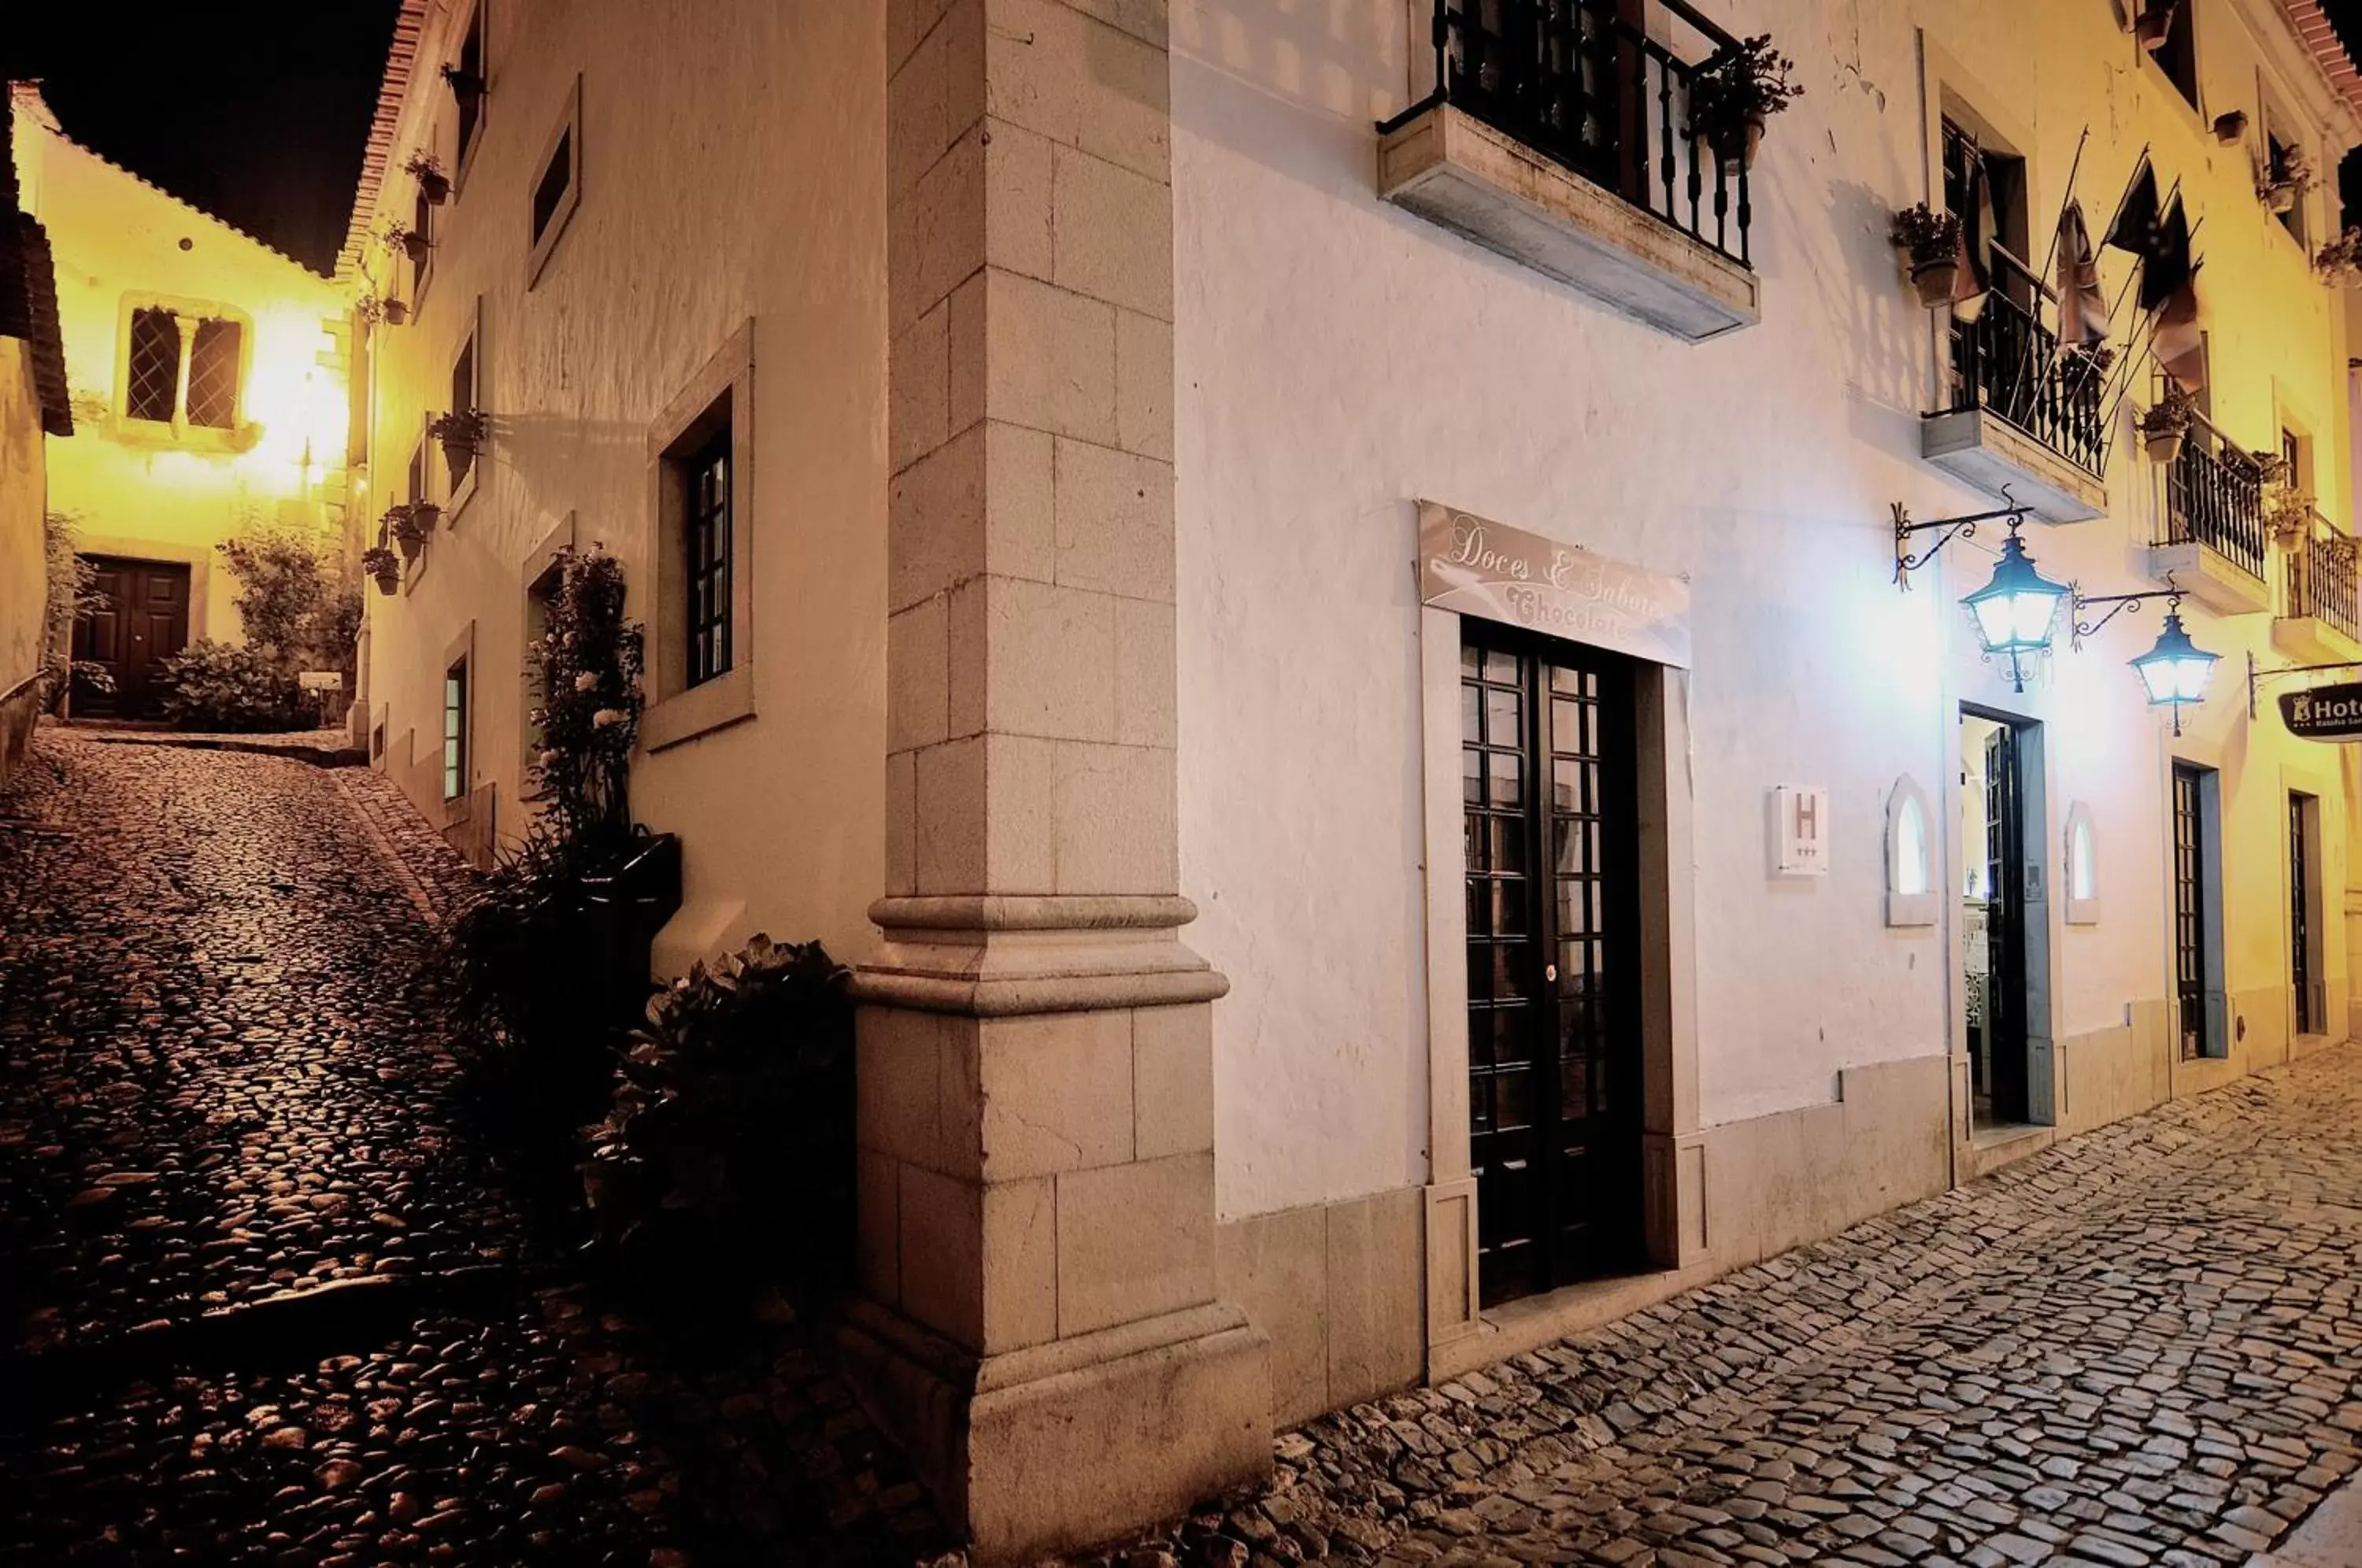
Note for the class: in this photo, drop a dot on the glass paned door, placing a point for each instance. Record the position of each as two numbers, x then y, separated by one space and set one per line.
2190 950
2301 918
1548 792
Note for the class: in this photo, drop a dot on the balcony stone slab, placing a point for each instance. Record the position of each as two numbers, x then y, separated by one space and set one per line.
1980 447
2309 639
2210 578
1479 182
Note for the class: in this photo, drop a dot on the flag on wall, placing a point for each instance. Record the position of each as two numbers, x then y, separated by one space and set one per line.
2082 302
2136 226
1972 280
2167 270
2180 346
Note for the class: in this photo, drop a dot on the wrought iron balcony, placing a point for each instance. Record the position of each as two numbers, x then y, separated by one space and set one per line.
2212 498
2007 366
2322 581
1651 220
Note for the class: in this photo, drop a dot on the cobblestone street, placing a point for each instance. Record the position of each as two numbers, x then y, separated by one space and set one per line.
223 1079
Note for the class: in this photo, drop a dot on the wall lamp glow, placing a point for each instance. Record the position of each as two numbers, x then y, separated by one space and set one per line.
2176 671
2017 612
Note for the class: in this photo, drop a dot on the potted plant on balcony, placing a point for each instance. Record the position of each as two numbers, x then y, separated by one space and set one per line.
371 309
2154 23
401 525
409 241
1741 85
1930 243
466 85
2279 190
2165 424
461 432
2231 129
427 170
2340 260
384 565
2288 513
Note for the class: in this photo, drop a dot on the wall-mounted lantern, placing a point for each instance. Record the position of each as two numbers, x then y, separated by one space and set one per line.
2017 611
2176 671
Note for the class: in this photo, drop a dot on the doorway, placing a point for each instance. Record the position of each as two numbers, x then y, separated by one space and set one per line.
1550 797
2199 1002
2310 1009
2005 926
143 621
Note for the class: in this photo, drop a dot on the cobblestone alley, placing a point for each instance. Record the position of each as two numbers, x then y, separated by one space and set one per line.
221 1078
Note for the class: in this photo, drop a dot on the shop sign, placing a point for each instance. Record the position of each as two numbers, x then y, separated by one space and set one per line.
2324 712
320 680
1474 567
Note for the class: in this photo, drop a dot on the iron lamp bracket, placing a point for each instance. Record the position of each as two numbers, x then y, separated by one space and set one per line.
2257 677
2118 603
1947 529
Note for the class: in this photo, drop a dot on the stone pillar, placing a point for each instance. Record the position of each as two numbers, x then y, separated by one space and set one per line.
1036 1114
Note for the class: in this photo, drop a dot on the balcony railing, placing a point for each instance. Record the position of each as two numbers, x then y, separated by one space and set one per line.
2216 500
2008 362
2322 579
1581 83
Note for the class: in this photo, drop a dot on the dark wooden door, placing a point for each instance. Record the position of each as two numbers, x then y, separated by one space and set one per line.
2005 927
2191 947
2308 1020
1550 797
143 620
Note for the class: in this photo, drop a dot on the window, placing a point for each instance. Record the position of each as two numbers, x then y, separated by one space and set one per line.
2178 55
557 189
2281 159
2310 1010
182 368
706 531
460 459
422 224
454 731
2082 867
1909 856
470 89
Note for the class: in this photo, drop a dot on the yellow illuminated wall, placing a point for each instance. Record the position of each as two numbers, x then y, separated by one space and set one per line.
150 490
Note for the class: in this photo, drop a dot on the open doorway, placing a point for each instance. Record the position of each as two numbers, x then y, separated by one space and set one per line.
2005 925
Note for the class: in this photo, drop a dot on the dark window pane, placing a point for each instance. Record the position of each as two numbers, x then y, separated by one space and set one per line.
1471 703
1506 772
155 366
213 374
1566 786
1509 907
553 180
1508 835
1509 971
1513 1105
1472 777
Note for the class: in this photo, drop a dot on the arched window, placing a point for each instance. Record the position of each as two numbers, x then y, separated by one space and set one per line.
2082 876
1910 856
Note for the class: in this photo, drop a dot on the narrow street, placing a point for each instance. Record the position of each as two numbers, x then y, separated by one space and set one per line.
222 1078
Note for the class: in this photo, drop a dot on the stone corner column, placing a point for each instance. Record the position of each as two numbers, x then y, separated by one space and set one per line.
1040 1325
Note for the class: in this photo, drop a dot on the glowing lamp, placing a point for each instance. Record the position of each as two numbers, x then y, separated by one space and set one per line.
2176 670
2017 611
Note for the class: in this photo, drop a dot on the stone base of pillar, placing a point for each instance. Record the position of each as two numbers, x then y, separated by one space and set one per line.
1061 1445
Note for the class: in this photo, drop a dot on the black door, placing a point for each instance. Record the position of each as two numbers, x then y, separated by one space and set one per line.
142 621
2307 1020
2192 948
1550 804
2005 927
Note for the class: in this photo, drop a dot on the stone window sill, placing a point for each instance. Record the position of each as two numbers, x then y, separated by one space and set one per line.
726 699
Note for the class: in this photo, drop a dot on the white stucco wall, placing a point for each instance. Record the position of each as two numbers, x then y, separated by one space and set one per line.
730 170
1337 358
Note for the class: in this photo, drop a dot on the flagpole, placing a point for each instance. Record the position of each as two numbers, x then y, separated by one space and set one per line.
2126 195
2073 170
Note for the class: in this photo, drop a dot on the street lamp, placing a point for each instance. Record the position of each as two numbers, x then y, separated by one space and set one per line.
2016 611
2176 671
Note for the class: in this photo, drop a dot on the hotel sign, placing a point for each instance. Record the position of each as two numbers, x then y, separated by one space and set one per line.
1478 568
2324 712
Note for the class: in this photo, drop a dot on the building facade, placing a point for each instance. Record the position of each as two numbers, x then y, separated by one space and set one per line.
207 375
1321 603
32 406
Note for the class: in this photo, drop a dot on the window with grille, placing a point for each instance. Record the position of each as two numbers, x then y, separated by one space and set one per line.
462 458
454 731
180 367
706 533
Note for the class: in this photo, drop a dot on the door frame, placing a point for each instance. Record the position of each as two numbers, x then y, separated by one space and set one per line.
2042 1065
200 558
1672 1152
141 559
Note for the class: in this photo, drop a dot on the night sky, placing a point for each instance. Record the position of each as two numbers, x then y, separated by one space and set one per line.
259 113
254 110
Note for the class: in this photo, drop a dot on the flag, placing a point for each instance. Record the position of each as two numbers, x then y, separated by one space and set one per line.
2136 226
1973 279
2180 346
2168 270
2082 302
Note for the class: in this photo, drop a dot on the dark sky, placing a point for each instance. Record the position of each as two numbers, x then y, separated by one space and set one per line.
255 110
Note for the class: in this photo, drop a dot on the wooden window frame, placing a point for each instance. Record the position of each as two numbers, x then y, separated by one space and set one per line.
459 490
680 710
456 724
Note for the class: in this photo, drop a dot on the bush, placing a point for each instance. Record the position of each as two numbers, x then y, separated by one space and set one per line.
73 597
725 1161
216 686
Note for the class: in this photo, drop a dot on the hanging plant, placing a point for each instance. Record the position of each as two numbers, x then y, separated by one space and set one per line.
2231 129
401 525
383 565
2287 511
2165 424
461 432
1930 243
427 170
2155 24
466 85
407 240
1739 86
2279 190
2340 260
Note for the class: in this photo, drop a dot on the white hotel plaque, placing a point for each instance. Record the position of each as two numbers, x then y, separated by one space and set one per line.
1474 567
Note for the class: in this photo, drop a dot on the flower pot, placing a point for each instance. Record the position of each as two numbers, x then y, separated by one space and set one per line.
434 186
386 581
1934 278
415 245
2279 198
2154 27
2231 127
411 541
2164 446
396 313
425 514
1735 145
458 451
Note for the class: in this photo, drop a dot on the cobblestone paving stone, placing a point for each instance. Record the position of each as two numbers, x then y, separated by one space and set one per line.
2137 1347
221 1078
